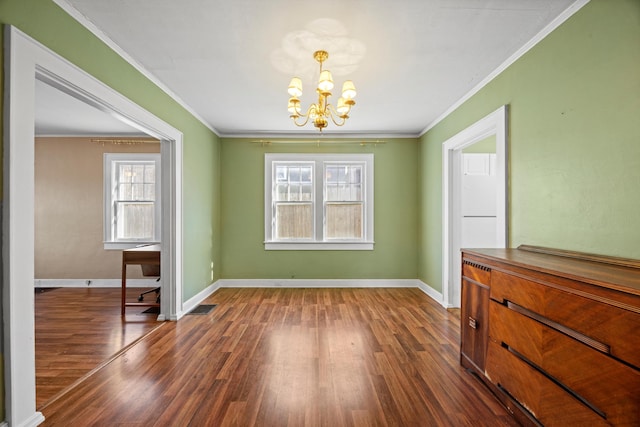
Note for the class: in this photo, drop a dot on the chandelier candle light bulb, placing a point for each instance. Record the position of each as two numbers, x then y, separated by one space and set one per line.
320 112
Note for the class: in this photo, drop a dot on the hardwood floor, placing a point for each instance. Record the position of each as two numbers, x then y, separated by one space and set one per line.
79 329
291 357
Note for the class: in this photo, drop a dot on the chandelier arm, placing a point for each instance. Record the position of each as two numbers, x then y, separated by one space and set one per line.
333 114
295 121
306 116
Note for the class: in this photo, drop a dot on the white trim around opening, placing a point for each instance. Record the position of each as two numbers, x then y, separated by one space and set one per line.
25 61
493 124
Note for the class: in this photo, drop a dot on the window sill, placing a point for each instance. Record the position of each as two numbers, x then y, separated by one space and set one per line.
318 246
118 246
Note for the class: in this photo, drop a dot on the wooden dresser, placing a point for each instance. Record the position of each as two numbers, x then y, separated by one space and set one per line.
555 334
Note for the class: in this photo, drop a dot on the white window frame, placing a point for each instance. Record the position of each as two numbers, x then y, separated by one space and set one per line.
110 161
319 242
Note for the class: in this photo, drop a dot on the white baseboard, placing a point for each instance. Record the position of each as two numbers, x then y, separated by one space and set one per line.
317 283
432 293
36 419
192 302
332 283
94 283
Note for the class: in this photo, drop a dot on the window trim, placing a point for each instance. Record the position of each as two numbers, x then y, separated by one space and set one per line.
319 242
108 168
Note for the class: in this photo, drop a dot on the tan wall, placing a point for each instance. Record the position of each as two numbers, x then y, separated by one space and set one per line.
69 209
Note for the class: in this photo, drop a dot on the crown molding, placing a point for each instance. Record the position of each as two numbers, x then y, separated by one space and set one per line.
317 136
86 22
559 20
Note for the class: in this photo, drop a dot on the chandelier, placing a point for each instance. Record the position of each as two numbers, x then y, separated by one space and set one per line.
320 112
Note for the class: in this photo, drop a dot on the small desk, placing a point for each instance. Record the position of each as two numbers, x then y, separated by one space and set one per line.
144 255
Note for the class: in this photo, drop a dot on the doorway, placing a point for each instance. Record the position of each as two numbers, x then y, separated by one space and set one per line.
78 325
489 227
27 60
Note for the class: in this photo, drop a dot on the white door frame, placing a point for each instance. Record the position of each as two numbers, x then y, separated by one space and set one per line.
25 61
493 124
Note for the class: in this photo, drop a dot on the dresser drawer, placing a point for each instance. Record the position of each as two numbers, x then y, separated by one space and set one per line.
546 401
607 384
614 327
475 271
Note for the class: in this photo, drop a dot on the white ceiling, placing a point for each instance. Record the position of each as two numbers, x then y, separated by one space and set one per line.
230 62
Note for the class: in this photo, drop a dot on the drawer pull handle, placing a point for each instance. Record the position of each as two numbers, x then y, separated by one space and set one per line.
473 323
558 327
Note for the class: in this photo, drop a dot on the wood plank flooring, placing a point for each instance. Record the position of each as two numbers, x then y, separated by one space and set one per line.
291 357
77 329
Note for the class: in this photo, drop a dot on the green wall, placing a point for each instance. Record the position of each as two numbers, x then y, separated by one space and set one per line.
47 23
395 217
574 143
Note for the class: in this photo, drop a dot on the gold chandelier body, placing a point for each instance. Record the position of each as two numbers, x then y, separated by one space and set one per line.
321 112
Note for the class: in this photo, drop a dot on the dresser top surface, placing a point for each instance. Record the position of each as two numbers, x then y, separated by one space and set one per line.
609 272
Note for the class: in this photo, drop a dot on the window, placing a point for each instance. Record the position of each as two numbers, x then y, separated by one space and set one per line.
132 199
319 201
